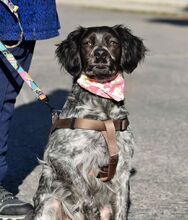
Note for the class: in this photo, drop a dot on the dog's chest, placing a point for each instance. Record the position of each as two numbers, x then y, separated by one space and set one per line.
83 104
80 148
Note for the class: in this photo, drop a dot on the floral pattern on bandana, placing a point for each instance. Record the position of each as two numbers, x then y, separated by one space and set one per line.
114 89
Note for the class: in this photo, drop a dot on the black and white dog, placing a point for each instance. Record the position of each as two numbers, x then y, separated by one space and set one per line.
67 190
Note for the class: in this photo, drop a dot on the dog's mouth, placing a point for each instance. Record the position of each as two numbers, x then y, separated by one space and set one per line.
98 67
101 73
101 67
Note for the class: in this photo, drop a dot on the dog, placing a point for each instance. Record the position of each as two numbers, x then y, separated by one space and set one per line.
69 186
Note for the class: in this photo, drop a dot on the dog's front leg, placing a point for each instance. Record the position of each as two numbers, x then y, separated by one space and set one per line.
122 200
106 213
89 206
47 205
51 210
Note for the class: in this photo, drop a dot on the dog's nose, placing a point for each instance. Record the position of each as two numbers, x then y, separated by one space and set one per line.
100 54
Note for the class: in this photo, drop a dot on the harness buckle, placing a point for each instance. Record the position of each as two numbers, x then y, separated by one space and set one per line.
72 123
124 125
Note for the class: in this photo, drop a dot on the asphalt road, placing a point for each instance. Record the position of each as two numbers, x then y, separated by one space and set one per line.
157 100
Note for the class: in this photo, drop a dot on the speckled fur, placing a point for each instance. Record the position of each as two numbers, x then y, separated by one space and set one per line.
71 155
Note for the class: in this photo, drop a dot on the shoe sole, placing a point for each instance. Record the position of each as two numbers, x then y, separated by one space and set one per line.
12 217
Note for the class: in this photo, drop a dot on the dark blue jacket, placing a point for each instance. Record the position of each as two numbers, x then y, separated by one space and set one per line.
38 18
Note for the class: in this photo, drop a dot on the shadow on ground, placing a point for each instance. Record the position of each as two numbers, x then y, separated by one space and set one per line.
172 21
28 136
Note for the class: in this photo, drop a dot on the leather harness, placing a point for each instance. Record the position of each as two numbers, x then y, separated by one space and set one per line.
108 129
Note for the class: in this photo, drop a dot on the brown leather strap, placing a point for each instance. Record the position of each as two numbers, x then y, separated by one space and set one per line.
88 124
110 137
108 129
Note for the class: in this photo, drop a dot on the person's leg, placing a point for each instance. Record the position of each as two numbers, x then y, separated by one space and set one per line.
10 85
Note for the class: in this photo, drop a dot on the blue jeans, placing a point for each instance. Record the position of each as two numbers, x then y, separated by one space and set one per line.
10 86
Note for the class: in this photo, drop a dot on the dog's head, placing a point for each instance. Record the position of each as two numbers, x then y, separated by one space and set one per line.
100 52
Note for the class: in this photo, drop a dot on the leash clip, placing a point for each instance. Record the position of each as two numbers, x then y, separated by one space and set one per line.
124 124
15 9
72 123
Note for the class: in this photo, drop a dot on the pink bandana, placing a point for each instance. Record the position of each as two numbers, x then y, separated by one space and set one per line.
114 89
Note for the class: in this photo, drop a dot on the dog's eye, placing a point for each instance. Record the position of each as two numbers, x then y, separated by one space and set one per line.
88 44
113 43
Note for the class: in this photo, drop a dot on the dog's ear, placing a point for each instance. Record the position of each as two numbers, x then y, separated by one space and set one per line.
68 52
133 49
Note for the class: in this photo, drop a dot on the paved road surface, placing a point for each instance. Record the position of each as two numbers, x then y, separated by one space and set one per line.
157 98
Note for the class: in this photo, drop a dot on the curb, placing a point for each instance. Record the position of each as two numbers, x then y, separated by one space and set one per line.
176 7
